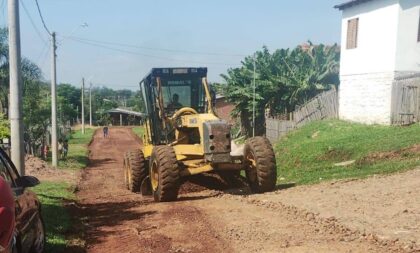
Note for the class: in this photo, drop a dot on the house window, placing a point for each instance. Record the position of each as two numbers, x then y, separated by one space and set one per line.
352 33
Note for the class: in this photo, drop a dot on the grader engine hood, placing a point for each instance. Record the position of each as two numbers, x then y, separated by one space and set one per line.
216 141
214 134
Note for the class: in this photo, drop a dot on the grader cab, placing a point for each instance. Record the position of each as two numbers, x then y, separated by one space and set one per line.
184 137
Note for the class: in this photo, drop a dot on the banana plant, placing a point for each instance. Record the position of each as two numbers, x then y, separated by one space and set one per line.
285 79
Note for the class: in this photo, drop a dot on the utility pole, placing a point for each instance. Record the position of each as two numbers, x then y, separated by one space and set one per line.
253 105
83 106
15 106
90 105
54 148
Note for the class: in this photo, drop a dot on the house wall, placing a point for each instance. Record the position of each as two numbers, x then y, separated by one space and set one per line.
366 98
408 47
367 72
377 38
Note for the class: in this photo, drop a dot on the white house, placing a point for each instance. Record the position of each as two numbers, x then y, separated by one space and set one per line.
380 61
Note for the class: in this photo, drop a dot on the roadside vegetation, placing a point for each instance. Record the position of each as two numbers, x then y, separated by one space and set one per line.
55 195
139 131
56 217
77 157
316 152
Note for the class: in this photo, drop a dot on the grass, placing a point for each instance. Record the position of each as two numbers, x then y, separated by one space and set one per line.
77 157
308 155
54 195
139 131
56 217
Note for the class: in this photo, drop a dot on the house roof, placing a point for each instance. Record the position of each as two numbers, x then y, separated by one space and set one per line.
125 111
350 4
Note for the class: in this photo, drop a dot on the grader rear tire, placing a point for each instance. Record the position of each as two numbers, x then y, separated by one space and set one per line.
136 170
260 164
164 174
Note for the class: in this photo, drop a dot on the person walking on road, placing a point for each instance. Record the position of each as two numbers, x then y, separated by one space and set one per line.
105 129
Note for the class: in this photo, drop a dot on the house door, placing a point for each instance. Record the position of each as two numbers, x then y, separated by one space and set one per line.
410 105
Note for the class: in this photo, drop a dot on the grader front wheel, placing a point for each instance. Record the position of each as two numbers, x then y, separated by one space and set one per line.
134 169
164 174
260 165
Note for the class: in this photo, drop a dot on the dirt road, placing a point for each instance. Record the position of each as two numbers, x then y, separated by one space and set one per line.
358 216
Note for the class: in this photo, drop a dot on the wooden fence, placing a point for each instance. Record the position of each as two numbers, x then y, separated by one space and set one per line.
406 101
323 106
276 128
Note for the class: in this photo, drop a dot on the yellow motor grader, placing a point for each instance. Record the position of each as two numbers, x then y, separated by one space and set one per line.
184 137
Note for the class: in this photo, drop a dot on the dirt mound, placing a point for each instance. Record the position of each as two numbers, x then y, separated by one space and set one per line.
390 155
210 181
39 168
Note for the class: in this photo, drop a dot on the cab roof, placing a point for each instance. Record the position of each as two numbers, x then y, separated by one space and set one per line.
161 72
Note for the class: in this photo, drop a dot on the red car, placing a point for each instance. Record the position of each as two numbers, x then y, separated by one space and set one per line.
7 215
28 234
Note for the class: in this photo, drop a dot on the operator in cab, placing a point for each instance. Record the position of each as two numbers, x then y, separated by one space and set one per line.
174 104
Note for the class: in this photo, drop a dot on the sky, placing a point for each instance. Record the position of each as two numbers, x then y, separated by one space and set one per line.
115 43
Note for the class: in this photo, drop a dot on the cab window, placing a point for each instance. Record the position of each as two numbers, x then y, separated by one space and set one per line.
182 92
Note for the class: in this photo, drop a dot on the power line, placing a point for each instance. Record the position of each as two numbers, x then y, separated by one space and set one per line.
43 56
42 18
156 49
32 22
146 55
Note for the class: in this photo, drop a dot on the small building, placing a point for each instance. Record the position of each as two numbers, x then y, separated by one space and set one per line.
125 117
380 61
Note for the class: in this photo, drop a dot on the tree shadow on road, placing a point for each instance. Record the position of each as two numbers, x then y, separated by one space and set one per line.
96 220
101 162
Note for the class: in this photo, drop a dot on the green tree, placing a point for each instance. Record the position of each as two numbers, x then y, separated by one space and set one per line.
135 102
284 79
68 102
4 127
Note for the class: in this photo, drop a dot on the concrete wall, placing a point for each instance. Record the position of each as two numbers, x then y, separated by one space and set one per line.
366 98
408 48
377 38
